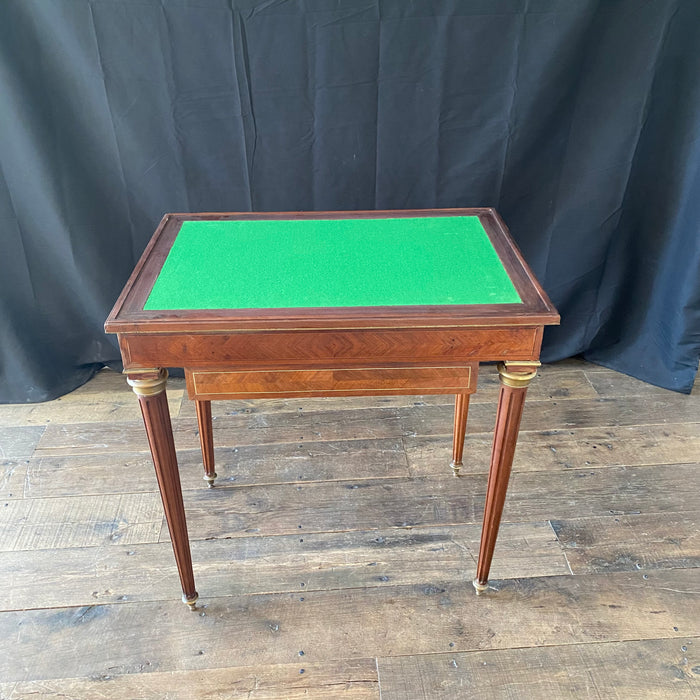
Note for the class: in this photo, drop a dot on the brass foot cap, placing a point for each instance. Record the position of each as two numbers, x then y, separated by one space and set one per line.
190 600
210 479
479 587
455 466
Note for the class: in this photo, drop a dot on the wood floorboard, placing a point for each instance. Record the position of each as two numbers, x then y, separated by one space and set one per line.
654 669
253 429
354 679
280 564
546 450
560 414
425 501
595 588
79 521
629 542
346 624
244 465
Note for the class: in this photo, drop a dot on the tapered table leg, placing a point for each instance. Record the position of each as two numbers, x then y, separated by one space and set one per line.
515 378
149 386
206 440
460 429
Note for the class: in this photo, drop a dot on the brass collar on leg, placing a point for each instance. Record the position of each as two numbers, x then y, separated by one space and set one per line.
479 587
190 601
517 379
148 386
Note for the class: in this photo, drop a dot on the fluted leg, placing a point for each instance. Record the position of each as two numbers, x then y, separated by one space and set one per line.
206 440
149 386
515 378
460 429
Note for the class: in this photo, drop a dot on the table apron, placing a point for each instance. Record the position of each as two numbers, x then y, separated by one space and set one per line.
312 349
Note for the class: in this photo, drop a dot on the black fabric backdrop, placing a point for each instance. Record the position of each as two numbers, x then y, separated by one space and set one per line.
579 120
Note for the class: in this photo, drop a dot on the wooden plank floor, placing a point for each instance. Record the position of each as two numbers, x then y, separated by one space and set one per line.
335 557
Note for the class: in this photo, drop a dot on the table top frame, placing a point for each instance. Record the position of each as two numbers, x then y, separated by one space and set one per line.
129 316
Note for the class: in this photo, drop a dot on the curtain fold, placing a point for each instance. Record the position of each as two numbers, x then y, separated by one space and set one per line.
579 121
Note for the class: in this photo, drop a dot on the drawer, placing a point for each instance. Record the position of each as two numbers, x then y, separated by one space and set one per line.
361 381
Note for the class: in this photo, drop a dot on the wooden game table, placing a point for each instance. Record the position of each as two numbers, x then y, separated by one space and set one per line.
268 305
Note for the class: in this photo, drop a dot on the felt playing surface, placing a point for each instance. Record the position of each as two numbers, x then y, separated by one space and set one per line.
331 263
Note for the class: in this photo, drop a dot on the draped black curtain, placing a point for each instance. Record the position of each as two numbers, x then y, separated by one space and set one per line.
579 120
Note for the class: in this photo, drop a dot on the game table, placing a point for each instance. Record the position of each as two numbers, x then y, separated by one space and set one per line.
269 305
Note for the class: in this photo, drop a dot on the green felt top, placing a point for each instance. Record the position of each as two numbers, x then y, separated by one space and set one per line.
300 263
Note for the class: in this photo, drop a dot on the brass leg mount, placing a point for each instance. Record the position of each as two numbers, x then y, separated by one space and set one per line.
517 375
149 382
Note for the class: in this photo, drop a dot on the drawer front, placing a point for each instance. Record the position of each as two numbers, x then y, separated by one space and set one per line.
364 381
